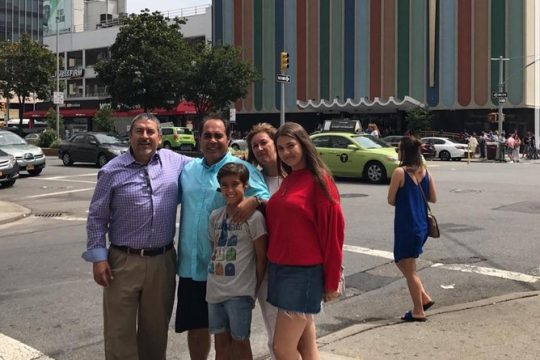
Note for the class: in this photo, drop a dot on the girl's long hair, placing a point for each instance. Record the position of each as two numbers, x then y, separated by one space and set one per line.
314 164
411 156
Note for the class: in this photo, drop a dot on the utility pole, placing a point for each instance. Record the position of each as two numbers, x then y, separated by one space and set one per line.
57 76
501 95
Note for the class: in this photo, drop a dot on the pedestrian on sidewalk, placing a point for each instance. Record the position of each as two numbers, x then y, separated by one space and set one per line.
134 203
410 220
305 249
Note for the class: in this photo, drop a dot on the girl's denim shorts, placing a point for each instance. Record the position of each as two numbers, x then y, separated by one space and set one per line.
297 289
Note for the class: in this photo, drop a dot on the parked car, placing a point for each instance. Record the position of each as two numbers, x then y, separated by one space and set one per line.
427 149
91 147
9 170
30 158
447 149
356 155
178 137
33 138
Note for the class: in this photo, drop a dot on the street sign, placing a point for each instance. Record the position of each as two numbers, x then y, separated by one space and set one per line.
232 115
58 98
283 78
502 100
502 94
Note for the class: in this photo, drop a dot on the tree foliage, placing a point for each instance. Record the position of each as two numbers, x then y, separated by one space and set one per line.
418 118
104 119
51 121
217 78
26 67
147 62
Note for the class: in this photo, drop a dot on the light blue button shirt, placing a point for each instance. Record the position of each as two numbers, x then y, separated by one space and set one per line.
199 197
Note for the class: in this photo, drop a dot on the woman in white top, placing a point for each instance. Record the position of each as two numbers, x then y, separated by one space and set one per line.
262 153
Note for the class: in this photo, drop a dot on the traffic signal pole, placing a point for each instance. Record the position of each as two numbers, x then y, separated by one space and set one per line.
500 149
284 65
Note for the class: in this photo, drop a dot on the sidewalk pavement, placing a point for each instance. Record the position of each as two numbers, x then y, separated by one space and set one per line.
11 212
503 327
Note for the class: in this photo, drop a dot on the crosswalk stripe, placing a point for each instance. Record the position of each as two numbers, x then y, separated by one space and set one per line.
15 350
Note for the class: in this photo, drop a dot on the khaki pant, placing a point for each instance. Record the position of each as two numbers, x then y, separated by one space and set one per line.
137 305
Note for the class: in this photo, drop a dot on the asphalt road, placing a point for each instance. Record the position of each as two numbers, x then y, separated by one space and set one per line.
488 214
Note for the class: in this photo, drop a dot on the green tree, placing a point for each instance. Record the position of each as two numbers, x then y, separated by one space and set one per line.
418 119
26 67
147 62
217 78
51 121
104 119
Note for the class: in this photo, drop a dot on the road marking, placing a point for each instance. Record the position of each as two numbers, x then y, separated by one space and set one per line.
503 274
67 176
15 350
57 193
68 180
69 218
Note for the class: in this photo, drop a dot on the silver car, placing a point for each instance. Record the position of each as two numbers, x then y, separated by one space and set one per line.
29 157
9 170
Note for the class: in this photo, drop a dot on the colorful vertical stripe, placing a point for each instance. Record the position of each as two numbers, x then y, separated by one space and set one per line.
269 55
237 37
280 46
361 58
498 40
375 49
516 47
403 50
481 52
258 53
324 49
418 49
336 50
448 43
348 50
389 49
291 46
313 50
301 49
432 86
247 48
464 53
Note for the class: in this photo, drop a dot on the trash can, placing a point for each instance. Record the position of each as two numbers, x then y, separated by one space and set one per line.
491 150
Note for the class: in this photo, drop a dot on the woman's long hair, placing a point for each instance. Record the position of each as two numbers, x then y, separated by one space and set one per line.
313 162
411 156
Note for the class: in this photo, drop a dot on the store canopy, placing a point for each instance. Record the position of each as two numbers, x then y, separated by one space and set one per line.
375 106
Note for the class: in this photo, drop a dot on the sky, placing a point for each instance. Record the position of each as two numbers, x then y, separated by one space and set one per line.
135 6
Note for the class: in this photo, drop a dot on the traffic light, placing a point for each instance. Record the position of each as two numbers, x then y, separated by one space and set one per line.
284 60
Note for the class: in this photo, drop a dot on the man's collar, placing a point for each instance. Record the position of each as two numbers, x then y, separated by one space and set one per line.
131 159
220 162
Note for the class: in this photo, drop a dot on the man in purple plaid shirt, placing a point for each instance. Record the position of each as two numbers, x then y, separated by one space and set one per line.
135 203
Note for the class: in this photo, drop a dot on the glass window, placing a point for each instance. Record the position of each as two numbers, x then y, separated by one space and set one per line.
370 142
339 142
95 55
74 59
95 89
322 141
75 88
79 139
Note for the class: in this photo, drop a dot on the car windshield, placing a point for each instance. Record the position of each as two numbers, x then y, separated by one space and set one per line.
110 139
8 138
2 153
370 142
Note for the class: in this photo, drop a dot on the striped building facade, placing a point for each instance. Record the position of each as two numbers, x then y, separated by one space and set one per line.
435 51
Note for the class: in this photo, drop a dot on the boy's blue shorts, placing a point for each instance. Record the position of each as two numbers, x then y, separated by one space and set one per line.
233 315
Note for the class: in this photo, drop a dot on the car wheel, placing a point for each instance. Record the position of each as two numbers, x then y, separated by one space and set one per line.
444 155
35 172
101 160
66 159
374 172
167 145
9 183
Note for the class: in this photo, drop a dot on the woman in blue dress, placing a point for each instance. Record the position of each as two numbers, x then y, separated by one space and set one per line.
410 220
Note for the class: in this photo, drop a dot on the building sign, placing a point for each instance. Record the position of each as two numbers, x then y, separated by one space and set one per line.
71 73
57 9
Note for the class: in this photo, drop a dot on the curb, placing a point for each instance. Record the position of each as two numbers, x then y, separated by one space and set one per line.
19 212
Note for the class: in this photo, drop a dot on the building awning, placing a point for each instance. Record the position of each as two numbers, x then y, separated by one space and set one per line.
377 105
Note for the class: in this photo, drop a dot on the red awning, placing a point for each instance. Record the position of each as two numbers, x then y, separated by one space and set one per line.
70 113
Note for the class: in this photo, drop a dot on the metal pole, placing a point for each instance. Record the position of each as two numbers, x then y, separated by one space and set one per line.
501 99
57 78
282 114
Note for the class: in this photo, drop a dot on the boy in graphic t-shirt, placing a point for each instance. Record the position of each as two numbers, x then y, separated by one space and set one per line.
236 268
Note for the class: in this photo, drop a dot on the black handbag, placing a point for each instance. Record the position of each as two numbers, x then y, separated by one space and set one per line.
433 226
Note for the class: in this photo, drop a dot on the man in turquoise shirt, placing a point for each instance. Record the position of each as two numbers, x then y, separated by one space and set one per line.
198 195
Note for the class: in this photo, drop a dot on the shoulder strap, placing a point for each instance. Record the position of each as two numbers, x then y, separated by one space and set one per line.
424 195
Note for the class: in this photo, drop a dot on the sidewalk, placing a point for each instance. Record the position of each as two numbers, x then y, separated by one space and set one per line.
11 212
505 327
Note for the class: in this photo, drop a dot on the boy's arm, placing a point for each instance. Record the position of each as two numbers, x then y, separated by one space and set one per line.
260 265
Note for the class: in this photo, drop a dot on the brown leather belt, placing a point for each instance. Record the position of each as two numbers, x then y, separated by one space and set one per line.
144 252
